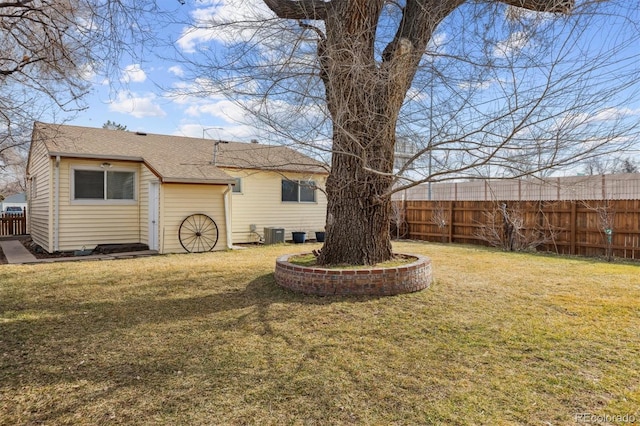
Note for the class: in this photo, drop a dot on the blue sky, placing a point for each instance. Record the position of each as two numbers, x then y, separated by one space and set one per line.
138 100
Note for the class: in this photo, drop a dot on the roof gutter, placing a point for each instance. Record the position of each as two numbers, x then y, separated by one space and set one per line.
314 170
97 156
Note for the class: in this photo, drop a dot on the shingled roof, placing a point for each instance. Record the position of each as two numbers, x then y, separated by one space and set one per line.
172 158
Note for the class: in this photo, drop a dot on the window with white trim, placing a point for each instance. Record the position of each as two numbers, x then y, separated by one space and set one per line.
237 187
105 185
298 191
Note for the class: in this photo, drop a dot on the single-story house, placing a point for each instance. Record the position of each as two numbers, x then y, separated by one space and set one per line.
89 186
15 200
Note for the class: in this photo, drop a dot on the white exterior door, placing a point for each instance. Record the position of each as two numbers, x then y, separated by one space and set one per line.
154 206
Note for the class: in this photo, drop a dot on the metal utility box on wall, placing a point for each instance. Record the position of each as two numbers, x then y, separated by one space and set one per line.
273 235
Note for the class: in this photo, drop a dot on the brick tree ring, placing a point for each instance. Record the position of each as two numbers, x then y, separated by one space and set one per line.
372 281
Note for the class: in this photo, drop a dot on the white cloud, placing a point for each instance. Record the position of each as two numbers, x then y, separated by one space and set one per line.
133 73
193 36
199 98
176 70
516 42
223 109
519 14
437 43
598 125
138 106
235 133
196 91
212 22
608 114
88 72
476 85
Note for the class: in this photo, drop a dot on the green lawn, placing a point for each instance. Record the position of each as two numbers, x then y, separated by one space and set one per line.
499 338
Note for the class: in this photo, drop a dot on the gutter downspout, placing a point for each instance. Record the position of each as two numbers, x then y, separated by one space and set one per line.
227 216
29 203
56 206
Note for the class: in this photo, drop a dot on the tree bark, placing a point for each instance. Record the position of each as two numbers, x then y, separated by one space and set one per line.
364 98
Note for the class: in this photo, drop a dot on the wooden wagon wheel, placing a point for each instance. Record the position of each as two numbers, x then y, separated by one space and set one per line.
198 233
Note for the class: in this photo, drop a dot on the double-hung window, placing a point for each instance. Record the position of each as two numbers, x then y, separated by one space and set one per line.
105 185
298 191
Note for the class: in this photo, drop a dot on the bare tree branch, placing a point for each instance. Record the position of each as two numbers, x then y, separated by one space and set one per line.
475 88
299 9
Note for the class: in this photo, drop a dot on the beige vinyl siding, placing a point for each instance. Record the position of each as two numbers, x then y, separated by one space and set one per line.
87 224
260 204
178 201
40 202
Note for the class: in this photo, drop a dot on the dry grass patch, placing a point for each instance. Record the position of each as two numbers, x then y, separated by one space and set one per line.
499 338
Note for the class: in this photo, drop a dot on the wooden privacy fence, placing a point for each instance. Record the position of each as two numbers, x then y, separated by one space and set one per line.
13 224
585 228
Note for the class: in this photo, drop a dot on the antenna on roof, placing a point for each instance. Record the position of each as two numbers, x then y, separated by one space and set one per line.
216 143
215 150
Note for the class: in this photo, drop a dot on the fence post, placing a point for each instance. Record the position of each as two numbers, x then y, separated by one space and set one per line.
519 189
24 221
450 222
573 224
405 211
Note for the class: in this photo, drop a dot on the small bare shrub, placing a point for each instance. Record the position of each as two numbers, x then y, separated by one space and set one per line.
440 218
506 227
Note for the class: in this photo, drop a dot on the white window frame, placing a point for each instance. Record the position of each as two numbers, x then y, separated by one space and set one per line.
239 184
88 201
301 182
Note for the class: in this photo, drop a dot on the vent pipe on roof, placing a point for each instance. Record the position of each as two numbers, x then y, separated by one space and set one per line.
254 141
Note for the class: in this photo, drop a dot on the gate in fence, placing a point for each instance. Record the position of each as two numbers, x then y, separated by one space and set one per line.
13 223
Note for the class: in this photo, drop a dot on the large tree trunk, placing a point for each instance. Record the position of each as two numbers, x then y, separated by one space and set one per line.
364 96
359 206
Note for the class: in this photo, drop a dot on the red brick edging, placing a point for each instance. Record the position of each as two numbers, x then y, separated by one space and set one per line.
407 278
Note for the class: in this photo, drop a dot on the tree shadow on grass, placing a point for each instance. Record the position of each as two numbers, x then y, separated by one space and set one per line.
116 353
67 319
124 346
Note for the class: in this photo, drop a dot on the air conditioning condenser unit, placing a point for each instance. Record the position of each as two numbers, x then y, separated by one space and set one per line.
273 235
